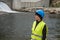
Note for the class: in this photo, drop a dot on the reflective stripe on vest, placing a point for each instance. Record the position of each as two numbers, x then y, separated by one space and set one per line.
37 33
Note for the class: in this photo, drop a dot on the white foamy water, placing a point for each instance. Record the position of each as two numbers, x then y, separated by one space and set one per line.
5 8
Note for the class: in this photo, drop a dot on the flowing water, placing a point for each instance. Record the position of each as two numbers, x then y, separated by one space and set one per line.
4 7
18 26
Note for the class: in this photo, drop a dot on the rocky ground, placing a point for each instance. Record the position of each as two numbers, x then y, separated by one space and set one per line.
49 10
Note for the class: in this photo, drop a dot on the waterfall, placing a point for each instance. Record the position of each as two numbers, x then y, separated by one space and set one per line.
5 8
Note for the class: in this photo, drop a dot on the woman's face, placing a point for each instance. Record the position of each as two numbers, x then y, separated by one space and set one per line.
37 18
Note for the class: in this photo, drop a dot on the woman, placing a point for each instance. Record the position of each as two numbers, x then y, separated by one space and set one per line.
39 28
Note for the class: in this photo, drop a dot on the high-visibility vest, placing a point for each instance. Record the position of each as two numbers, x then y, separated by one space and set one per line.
37 32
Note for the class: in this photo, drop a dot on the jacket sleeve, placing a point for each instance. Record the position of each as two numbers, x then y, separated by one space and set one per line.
44 33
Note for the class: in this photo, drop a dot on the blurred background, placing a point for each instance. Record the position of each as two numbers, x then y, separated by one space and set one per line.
17 16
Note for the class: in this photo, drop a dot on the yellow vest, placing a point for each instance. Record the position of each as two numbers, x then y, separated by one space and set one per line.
37 32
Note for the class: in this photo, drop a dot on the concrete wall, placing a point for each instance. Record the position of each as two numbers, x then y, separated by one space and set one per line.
30 0
44 3
16 4
28 4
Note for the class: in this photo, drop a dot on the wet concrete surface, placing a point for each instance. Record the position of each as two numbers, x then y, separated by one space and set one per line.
18 26
53 23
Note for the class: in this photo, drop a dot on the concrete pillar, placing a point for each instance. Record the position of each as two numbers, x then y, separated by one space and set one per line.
17 4
45 3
